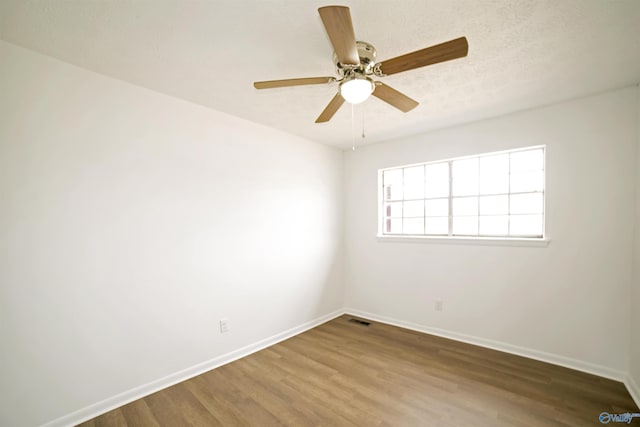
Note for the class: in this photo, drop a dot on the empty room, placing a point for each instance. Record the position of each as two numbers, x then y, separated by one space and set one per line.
303 213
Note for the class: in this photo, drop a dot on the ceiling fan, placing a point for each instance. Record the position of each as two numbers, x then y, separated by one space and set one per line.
356 65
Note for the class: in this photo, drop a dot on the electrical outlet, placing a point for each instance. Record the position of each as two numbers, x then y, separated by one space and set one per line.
438 305
224 326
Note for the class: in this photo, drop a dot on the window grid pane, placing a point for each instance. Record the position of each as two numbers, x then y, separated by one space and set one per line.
492 195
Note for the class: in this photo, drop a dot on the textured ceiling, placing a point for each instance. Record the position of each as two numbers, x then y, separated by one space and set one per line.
522 54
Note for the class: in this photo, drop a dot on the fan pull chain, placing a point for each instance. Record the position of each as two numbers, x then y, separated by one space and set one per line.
353 127
363 136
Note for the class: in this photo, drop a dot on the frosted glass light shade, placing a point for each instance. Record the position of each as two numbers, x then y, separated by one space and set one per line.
356 91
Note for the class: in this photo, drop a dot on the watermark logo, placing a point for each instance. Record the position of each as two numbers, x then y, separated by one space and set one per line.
627 417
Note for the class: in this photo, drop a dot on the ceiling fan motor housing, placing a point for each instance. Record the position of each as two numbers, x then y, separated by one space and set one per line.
367 54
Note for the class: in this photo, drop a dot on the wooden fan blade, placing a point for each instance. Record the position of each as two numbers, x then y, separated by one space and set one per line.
331 109
394 98
337 22
446 51
293 82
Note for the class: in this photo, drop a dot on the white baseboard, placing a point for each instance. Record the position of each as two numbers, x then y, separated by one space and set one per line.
118 400
633 388
555 359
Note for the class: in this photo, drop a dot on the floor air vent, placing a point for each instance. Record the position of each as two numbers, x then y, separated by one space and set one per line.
359 322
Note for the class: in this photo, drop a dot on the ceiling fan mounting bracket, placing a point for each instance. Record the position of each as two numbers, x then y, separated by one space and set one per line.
377 70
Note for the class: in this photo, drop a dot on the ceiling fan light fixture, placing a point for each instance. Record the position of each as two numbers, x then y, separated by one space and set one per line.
356 89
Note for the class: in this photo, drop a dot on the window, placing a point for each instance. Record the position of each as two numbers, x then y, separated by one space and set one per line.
489 195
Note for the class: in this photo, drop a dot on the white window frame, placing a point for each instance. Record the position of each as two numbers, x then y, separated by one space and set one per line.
542 240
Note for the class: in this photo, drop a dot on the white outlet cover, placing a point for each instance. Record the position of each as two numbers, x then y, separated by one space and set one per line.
224 325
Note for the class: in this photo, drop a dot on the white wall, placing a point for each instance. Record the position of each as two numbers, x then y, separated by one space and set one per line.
635 291
131 222
568 300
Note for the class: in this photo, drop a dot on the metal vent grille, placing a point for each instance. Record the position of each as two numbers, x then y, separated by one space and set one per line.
359 322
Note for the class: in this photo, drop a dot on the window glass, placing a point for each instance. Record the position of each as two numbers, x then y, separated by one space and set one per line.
465 177
437 180
436 207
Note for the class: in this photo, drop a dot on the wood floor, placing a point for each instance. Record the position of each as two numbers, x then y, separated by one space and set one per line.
346 374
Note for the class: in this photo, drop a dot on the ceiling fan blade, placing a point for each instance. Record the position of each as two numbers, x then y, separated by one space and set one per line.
337 22
394 98
446 51
331 109
293 82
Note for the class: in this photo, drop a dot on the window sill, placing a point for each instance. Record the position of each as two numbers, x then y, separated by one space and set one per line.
484 241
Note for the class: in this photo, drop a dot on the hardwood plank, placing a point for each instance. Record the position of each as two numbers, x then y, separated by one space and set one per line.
345 374
220 408
138 413
193 411
164 410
